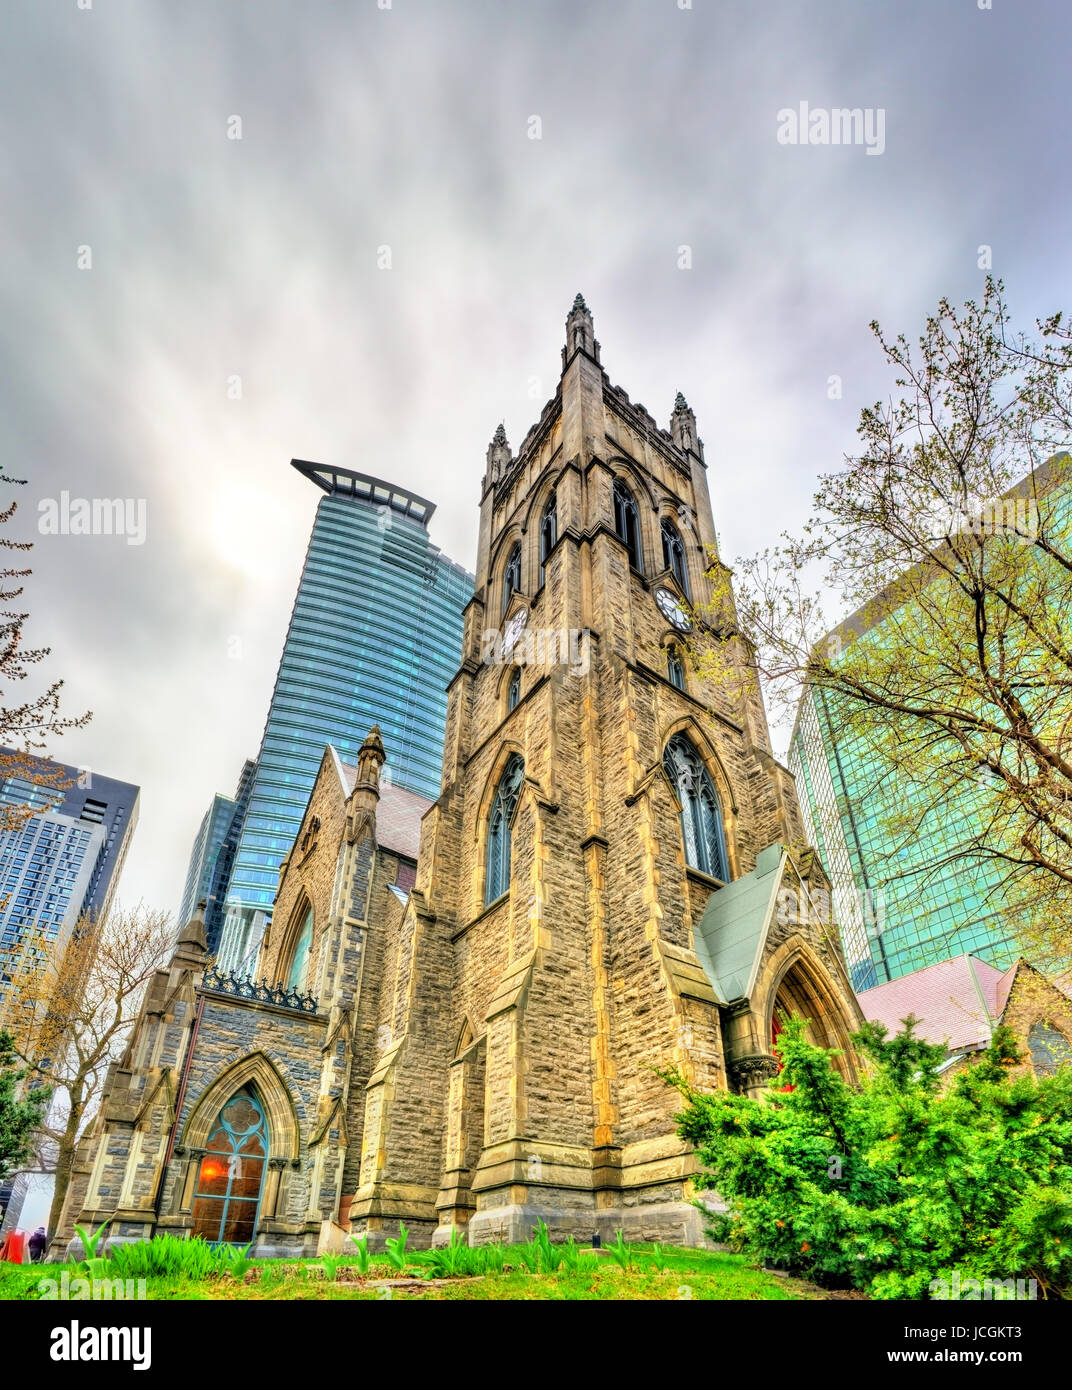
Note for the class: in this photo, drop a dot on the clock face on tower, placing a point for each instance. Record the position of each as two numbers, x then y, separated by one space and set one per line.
671 607
513 629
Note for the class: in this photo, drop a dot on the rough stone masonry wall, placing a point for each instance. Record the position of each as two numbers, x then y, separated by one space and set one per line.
1033 999
370 1036
558 1026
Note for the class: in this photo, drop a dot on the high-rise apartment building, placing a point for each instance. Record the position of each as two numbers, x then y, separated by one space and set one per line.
63 861
374 638
58 864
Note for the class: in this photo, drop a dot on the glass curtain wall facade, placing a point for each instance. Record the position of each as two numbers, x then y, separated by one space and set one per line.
374 638
900 905
207 844
221 870
911 899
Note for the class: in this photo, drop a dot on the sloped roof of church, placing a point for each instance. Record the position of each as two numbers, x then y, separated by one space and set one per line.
398 814
958 1001
733 929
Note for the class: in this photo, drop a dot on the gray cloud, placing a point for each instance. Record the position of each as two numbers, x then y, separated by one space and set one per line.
215 258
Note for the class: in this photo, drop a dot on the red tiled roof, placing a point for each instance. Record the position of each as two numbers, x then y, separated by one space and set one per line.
398 815
958 1001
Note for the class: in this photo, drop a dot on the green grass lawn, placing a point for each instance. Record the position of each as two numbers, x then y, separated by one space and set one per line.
688 1274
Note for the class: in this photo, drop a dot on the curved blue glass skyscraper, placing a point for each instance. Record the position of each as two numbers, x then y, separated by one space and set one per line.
374 638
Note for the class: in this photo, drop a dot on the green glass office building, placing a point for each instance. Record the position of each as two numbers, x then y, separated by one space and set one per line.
906 899
899 906
374 638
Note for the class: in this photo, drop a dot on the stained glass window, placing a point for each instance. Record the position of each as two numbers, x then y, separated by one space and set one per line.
701 815
231 1175
502 813
300 960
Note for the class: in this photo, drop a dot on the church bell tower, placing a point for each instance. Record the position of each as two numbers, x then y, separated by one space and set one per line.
608 820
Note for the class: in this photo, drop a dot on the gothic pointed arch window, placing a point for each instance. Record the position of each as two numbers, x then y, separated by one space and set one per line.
701 814
674 556
299 952
230 1177
675 666
513 690
548 531
511 576
627 523
500 823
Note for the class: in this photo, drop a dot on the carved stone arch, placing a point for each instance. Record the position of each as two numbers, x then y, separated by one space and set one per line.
637 479
500 552
258 1071
668 508
671 638
508 668
796 980
668 515
484 807
502 688
687 724
491 784
540 495
466 1038
625 471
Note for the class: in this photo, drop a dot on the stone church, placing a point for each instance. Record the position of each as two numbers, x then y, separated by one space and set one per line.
462 1006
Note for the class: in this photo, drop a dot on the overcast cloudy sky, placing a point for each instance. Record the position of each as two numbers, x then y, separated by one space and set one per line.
215 258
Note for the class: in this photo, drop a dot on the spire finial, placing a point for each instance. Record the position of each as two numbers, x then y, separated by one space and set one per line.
580 331
370 758
500 456
193 934
683 427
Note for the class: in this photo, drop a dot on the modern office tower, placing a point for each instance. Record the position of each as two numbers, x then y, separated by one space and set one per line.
216 895
901 903
374 638
207 844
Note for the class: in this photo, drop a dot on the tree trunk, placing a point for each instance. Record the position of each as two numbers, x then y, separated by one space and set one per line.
64 1164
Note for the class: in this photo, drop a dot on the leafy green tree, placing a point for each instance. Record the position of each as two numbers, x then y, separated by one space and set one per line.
926 605
898 1183
20 1114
